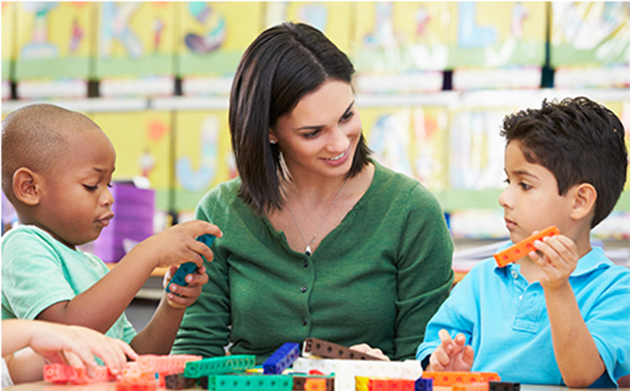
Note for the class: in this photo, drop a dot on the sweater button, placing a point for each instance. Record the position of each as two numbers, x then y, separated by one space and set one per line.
304 322
306 263
304 289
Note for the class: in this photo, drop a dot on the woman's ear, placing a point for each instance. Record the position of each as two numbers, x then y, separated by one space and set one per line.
272 138
584 197
27 186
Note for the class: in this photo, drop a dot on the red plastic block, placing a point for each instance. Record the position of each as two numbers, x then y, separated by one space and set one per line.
62 374
124 386
391 385
165 364
522 248
314 384
456 378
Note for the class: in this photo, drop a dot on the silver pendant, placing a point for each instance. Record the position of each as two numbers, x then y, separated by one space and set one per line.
308 250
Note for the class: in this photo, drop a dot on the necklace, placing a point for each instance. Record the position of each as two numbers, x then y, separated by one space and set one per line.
308 251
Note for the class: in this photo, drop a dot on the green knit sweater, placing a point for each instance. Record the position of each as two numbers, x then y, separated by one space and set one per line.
377 278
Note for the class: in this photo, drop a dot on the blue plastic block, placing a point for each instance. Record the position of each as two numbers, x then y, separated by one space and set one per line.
424 384
217 365
282 358
185 269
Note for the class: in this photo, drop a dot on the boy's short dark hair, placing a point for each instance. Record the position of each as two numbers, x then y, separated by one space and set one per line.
579 141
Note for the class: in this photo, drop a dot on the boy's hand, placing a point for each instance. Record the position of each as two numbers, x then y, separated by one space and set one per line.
177 244
451 355
558 261
183 296
76 346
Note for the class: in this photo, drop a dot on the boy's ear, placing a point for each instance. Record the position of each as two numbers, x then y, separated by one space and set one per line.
27 186
584 197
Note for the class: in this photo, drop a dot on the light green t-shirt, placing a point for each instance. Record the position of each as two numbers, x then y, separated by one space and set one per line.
39 271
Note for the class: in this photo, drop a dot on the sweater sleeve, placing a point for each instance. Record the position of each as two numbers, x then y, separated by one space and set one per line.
205 327
425 275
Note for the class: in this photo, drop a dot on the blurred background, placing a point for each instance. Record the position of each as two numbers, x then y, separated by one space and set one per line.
434 81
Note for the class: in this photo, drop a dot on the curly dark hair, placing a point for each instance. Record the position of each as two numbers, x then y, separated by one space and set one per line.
579 141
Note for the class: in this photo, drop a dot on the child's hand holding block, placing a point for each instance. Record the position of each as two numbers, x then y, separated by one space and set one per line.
524 247
185 269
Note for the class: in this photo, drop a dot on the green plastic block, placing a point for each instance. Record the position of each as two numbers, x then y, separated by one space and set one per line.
253 382
218 365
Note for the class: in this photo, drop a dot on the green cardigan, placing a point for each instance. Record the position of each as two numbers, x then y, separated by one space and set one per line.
377 278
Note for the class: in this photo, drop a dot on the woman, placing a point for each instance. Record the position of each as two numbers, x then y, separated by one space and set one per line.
319 240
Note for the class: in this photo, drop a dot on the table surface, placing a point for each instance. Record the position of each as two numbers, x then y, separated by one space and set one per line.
42 386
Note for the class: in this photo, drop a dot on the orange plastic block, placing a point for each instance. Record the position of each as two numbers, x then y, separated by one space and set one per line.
62 374
457 378
132 374
522 248
313 384
471 387
165 364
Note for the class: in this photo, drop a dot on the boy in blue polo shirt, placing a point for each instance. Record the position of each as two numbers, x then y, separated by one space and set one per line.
561 314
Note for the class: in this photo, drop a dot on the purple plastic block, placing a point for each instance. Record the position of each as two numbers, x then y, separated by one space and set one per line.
424 384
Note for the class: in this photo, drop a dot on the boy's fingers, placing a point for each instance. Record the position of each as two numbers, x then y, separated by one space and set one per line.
445 337
127 350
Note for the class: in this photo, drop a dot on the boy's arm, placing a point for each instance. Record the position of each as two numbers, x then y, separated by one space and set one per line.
574 347
104 302
159 334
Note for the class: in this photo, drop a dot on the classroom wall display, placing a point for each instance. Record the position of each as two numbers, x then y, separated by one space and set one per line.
476 148
53 39
212 36
142 140
498 34
589 44
410 140
203 155
135 40
8 46
590 33
622 110
53 48
332 18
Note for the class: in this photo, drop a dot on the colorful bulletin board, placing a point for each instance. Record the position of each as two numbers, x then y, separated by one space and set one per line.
53 39
8 38
396 37
135 39
590 33
622 110
476 148
212 36
142 140
498 34
408 36
203 155
332 18
410 140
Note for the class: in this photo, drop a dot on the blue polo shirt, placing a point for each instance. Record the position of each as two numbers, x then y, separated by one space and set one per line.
504 319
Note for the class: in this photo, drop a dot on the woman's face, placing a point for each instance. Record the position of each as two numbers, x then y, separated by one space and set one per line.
321 134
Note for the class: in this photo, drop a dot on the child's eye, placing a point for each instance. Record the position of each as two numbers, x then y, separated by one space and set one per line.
506 181
90 188
109 185
524 186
